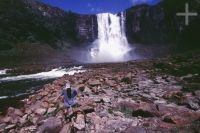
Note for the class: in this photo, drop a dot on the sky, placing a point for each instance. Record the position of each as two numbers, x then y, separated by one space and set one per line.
96 6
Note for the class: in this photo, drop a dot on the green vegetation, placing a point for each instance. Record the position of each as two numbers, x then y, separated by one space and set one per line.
22 22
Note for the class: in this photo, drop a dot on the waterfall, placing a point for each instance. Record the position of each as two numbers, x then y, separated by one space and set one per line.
112 44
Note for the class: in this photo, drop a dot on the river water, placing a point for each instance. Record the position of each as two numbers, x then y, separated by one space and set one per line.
14 88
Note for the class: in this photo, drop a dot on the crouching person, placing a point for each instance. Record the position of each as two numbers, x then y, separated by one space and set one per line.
69 98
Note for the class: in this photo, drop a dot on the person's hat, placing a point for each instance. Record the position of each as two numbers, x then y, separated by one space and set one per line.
67 86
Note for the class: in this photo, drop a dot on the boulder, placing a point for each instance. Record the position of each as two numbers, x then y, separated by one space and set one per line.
94 82
45 104
110 83
9 127
18 112
23 120
51 110
7 119
81 87
173 94
168 109
106 99
79 123
66 128
52 125
142 109
182 118
40 111
44 93
2 127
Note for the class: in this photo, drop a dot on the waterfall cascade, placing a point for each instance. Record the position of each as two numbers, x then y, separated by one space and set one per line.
112 44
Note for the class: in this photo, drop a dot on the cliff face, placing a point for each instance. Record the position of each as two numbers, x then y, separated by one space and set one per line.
145 24
159 24
34 22
87 28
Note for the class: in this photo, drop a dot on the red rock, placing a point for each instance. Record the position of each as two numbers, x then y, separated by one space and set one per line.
45 104
171 109
79 123
40 111
44 93
52 125
7 119
173 94
66 128
10 111
110 83
81 87
18 112
183 118
94 82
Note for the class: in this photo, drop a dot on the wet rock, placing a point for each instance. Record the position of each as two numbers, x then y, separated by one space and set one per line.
52 125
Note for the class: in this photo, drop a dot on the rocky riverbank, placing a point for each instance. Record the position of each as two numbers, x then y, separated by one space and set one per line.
134 97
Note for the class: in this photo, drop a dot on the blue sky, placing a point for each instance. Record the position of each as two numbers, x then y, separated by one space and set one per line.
96 6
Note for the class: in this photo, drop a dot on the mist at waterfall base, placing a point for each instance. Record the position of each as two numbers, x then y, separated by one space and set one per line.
111 44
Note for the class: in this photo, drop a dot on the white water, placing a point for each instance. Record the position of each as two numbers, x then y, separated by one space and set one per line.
3 72
112 44
55 73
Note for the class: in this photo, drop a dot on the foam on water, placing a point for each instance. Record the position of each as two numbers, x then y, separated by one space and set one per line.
54 73
3 72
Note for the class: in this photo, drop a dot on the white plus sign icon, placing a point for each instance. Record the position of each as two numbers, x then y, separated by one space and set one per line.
187 14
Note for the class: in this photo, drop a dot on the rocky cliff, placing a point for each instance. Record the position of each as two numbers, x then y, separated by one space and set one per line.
159 24
33 21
